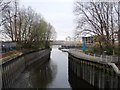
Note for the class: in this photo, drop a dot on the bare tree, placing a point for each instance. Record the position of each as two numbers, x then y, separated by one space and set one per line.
10 14
3 6
97 18
26 27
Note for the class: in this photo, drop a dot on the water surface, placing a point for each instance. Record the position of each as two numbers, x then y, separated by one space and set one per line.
51 74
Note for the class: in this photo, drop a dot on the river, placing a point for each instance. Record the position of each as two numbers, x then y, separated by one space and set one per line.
51 74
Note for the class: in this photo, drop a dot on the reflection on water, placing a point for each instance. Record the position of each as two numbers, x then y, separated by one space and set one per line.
41 76
76 82
61 60
51 74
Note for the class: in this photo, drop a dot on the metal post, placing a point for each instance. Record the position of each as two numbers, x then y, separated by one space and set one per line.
106 58
88 56
111 59
94 56
119 30
101 58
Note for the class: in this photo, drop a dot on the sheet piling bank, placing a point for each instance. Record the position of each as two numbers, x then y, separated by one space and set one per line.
94 70
12 69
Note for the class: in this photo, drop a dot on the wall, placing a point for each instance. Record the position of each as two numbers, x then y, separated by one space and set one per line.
99 75
13 68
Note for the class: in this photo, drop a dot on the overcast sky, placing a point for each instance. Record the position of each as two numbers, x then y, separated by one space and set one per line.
58 12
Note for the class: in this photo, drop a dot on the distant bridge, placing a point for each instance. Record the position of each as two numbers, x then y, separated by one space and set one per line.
66 43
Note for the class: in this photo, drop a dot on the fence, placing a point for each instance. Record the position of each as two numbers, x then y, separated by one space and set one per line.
91 56
105 58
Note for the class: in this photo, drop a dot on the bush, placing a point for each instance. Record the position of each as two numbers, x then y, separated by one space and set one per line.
88 51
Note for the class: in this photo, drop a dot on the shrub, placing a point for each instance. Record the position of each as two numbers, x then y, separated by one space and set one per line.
88 51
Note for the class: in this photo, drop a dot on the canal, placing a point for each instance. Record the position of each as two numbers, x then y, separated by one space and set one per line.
51 74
